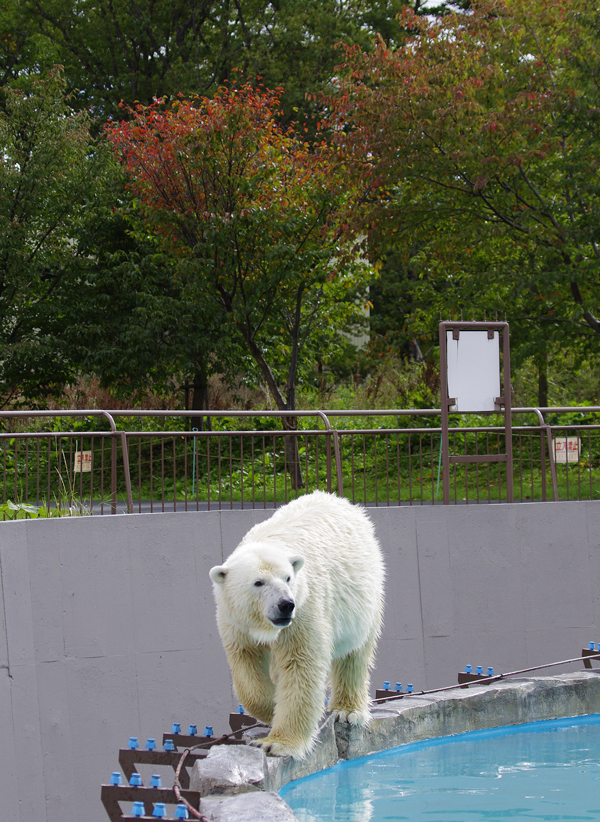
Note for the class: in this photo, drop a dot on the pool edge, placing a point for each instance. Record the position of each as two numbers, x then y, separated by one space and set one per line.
413 719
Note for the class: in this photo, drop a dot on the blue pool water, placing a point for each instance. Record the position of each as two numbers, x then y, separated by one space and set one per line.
539 771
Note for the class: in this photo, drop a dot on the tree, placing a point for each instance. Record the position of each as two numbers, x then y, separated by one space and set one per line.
477 141
135 50
51 178
247 209
136 327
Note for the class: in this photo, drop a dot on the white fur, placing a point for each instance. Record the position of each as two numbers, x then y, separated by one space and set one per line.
318 555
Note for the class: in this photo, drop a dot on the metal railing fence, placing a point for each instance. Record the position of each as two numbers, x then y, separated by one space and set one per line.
136 461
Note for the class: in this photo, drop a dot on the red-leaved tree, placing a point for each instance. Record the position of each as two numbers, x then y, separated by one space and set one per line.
248 209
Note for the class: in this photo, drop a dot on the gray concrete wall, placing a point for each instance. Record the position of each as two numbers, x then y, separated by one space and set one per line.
107 625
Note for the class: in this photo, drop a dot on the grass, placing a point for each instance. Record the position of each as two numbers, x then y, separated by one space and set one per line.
376 468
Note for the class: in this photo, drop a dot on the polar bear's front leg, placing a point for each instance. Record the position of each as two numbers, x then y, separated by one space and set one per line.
299 669
250 671
350 686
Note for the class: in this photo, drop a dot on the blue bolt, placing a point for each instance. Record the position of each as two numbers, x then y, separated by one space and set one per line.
591 646
116 778
160 810
479 669
490 671
409 689
176 729
155 781
386 686
398 687
151 744
133 742
181 812
136 780
240 708
138 809
468 669
169 745
193 730
208 731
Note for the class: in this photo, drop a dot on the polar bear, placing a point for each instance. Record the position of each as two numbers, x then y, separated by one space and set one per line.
300 603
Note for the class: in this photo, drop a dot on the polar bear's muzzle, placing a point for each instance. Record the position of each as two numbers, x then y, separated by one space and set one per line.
283 613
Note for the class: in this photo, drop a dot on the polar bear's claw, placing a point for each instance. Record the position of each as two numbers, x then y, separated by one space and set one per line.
272 748
353 717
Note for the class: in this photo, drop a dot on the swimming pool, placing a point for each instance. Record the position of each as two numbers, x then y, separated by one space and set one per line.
547 770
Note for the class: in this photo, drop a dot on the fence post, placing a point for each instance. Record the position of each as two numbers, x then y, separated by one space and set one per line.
337 455
545 427
328 452
113 460
338 463
113 473
552 462
543 463
125 450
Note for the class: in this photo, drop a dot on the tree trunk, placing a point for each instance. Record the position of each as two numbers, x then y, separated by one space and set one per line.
292 456
542 364
200 399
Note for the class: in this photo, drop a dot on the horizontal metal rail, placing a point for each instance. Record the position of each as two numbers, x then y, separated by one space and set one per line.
120 469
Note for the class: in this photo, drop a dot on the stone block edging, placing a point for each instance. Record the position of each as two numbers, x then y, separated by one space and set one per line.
241 783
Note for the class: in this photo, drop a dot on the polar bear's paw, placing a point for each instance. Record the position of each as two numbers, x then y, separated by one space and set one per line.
274 748
353 717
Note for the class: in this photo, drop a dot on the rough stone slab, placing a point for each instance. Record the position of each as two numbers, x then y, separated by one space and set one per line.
229 770
508 702
284 769
248 807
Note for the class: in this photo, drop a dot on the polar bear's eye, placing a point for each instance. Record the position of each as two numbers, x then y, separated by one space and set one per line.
289 579
258 583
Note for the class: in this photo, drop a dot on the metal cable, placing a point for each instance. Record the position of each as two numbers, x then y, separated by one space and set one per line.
391 698
484 680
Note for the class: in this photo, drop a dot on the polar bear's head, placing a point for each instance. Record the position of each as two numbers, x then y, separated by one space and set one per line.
259 588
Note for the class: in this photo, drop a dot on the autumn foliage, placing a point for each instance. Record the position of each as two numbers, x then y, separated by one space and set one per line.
247 206
480 132
217 160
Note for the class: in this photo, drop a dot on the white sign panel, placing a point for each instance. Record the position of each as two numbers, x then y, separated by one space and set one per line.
83 462
473 370
566 449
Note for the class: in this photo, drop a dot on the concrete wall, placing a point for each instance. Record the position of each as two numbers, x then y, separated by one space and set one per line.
107 625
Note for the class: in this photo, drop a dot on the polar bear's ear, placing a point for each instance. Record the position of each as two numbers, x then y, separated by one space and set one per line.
218 574
297 563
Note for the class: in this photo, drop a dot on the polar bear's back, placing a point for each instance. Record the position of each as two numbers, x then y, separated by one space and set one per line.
320 525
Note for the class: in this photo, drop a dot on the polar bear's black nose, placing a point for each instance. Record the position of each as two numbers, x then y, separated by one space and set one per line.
285 606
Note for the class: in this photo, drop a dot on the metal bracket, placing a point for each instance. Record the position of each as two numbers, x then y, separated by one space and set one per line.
113 795
587 663
464 679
